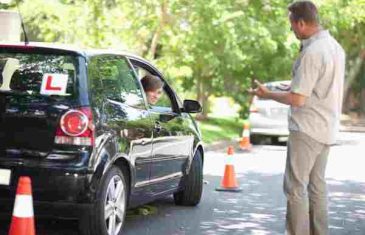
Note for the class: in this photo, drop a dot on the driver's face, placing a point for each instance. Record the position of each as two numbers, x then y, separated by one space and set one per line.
154 96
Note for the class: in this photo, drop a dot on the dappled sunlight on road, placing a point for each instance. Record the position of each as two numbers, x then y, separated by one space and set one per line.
260 207
347 206
255 210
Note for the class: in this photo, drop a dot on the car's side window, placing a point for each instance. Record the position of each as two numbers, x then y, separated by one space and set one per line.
113 77
164 101
95 81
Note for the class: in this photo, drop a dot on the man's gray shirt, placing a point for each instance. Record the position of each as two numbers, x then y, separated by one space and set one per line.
318 74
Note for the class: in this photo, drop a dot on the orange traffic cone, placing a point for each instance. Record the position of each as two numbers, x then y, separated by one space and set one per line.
229 181
22 222
245 143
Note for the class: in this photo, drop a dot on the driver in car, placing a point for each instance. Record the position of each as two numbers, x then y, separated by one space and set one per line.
153 86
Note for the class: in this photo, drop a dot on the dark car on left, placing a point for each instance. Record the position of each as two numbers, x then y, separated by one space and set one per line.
79 125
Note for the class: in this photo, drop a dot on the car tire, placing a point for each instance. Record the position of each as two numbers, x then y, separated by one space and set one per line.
274 140
256 139
192 187
111 198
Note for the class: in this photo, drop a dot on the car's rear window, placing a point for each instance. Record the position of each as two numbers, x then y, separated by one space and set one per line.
38 74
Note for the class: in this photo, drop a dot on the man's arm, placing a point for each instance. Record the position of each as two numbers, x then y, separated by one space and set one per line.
286 97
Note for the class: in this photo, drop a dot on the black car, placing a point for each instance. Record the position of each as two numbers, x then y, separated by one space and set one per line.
78 123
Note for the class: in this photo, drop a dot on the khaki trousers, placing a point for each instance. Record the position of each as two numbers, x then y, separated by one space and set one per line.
305 186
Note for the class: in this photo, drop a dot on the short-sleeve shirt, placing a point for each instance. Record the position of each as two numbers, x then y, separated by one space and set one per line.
318 74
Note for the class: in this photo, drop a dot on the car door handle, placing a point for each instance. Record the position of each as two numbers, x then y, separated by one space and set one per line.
158 127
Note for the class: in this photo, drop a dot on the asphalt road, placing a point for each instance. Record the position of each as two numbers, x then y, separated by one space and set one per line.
259 208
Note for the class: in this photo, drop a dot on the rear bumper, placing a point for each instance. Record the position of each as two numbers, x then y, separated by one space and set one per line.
59 210
56 192
270 131
261 125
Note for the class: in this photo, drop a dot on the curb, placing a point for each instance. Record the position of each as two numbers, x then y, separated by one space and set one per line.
352 125
222 145
359 129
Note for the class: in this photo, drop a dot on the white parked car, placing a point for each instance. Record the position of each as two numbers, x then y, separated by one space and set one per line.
269 118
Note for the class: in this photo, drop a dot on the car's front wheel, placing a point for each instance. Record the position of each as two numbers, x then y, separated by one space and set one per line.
108 214
192 187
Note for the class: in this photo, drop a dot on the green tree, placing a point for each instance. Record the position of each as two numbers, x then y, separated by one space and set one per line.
346 20
205 48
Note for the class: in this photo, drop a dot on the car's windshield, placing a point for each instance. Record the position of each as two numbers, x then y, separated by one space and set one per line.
38 74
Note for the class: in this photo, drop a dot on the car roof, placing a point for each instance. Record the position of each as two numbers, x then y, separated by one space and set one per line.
42 45
87 52
70 48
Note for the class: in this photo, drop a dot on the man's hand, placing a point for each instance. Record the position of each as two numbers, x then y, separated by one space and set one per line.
284 97
261 90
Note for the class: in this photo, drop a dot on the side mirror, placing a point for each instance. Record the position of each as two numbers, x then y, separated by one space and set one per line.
192 106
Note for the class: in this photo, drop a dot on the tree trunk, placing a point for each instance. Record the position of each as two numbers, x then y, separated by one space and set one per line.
163 19
96 32
362 102
202 97
155 39
352 74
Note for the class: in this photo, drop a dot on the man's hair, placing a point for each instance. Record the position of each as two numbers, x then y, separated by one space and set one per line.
151 83
304 10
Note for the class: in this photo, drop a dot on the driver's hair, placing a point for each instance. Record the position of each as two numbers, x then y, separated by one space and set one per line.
151 83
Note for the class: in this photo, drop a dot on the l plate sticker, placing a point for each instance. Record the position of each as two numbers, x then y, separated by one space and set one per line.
54 84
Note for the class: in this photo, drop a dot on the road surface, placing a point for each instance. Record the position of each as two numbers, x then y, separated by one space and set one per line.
259 208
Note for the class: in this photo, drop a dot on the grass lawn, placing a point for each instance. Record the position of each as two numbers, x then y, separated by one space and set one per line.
220 128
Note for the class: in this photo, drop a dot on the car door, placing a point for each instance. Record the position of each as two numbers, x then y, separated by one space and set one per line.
123 114
172 143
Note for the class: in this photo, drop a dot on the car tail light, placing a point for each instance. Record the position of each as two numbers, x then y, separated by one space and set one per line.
253 109
76 128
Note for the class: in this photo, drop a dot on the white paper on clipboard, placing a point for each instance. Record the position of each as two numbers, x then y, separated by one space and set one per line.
54 84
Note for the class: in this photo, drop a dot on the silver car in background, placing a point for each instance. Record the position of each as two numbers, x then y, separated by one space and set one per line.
268 118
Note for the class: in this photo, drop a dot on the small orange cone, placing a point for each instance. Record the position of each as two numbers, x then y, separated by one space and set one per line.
229 181
245 143
22 222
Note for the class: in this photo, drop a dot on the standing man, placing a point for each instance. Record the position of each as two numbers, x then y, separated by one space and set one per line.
315 100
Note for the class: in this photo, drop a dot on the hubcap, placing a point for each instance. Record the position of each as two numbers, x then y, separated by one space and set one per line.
114 205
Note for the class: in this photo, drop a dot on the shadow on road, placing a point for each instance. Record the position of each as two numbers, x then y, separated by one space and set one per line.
258 209
347 207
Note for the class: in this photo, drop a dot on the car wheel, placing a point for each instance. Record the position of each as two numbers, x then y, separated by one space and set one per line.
107 216
256 139
275 140
192 190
